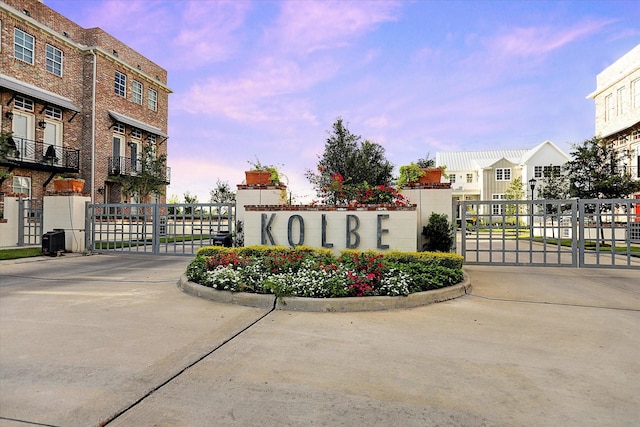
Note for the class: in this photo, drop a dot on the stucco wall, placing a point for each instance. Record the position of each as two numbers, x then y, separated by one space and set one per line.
348 228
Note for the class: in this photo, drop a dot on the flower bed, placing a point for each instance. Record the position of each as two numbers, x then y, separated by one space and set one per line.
317 273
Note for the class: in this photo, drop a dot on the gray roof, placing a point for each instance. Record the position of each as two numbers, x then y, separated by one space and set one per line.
472 160
137 124
35 92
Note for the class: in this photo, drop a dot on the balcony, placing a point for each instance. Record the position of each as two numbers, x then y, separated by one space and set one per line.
126 166
21 152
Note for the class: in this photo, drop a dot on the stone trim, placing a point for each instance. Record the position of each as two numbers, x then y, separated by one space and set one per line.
261 186
338 305
428 186
329 208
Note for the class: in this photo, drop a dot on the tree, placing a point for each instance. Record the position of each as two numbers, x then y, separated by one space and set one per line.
174 200
7 146
222 194
555 186
597 171
150 175
348 164
515 191
190 199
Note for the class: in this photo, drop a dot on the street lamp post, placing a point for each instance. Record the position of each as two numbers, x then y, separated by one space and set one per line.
532 185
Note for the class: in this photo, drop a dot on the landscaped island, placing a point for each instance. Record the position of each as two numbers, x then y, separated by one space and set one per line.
318 273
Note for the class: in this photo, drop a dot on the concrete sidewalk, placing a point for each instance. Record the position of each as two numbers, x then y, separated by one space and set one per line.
89 340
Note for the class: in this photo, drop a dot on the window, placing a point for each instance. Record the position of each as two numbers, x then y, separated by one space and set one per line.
635 93
503 174
537 171
136 133
120 84
609 107
53 113
22 185
136 92
549 170
118 128
469 178
152 100
497 209
452 179
622 93
23 44
23 103
54 60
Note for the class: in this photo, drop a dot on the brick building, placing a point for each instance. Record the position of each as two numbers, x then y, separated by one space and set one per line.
76 101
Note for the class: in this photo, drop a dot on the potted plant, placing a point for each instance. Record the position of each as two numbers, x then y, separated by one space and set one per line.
409 174
423 171
68 183
260 174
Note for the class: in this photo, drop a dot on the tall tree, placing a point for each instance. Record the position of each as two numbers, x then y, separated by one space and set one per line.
348 163
597 171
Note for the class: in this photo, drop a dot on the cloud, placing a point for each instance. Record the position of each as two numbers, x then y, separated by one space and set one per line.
203 32
144 22
208 31
273 89
309 26
539 41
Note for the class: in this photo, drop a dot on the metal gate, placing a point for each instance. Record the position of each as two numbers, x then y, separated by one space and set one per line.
29 222
572 233
158 229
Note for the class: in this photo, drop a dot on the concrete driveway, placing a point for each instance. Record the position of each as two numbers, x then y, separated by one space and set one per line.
97 340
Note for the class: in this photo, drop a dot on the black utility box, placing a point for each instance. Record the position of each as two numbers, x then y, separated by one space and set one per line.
222 239
53 242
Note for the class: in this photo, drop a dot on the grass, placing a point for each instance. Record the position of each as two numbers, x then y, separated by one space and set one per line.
591 245
19 253
133 243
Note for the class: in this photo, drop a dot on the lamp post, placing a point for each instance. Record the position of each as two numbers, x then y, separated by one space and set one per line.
532 185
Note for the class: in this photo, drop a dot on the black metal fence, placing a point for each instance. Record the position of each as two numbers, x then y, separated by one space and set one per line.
40 155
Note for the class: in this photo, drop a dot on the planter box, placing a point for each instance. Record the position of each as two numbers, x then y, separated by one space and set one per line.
258 177
68 185
431 175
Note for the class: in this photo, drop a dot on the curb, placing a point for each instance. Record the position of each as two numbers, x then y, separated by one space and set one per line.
337 305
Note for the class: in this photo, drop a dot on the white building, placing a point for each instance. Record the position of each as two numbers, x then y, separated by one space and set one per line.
486 175
617 99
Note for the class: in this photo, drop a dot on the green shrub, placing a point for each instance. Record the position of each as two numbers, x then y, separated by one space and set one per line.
439 233
197 270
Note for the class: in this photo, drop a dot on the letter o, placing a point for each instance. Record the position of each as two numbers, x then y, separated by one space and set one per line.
290 230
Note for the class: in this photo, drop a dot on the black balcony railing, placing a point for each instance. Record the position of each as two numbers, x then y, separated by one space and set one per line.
127 166
39 155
